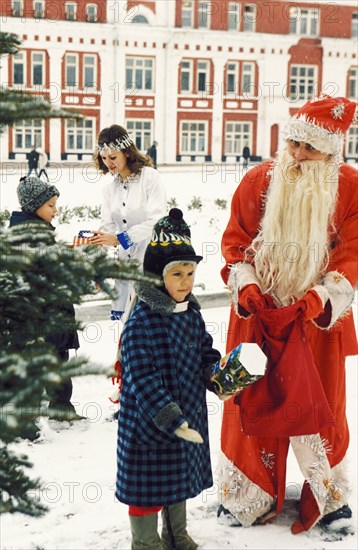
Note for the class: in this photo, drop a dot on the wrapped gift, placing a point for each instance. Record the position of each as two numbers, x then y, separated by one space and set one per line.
238 369
84 237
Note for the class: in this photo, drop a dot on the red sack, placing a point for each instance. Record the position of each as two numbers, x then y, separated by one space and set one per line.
289 400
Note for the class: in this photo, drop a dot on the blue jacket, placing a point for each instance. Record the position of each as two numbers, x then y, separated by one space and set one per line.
166 361
64 339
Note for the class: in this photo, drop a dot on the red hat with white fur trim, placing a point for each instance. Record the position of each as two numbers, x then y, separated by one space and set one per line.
322 122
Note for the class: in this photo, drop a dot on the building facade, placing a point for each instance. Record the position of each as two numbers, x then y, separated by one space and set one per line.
202 78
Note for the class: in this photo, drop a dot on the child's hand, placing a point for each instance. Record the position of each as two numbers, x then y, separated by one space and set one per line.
225 396
188 433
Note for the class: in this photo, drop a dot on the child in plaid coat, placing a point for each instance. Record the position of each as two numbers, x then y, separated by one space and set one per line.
163 445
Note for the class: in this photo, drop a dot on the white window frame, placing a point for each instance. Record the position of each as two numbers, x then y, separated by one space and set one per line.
39 9
41 63
193 133
140 68
80 129
202 68
17 8
188 69
71 64
351 149
31 132
237 134
91 17
19 58
204 15
141 131
352 83
187 14
71 15
304 21
249 17
233 16
232 77
248 70
308 82
86 66
355 24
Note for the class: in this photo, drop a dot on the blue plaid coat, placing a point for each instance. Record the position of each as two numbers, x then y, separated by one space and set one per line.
166 359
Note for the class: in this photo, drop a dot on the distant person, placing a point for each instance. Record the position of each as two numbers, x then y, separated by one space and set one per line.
152 153
38 201
43 159
163 454
132 203
33 160
246 155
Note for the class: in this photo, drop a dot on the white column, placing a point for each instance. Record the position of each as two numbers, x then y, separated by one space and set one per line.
56 56
217 117
168 116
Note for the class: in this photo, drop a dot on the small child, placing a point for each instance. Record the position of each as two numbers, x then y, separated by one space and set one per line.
163 445
38 205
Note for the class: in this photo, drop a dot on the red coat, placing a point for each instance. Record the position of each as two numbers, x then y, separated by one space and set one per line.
329 347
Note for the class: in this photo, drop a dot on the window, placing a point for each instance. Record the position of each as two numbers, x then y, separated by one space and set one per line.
28 133
233 16
237 134
193 138
139 74
19 68
186 76
202 76
352 142
38 69
17 8
204 14
70 11
39 9
187 12
304 21
353 83
91 13
79 135
141 19
303 79
249 18
71 70
232 78
354 25
89 71
141 131
248 79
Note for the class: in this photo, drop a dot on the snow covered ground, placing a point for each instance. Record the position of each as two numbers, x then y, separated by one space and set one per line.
77 464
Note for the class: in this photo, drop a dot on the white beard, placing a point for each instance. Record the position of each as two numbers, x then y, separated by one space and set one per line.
292 248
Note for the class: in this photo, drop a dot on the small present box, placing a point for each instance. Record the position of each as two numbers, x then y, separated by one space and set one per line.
238 369
84 237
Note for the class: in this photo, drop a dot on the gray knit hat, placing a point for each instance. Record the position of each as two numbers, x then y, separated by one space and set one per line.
33 192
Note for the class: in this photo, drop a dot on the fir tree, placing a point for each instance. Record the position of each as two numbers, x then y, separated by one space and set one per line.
38 279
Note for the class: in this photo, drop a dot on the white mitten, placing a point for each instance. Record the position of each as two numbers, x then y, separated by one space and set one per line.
188 433
225 396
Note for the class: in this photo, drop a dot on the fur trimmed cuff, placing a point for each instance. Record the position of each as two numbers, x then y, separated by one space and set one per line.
340 297
241 274
168 417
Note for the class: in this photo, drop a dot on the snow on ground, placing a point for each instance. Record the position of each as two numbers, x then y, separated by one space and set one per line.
77 465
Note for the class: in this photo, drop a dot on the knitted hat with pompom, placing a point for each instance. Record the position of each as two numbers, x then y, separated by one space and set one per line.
170 242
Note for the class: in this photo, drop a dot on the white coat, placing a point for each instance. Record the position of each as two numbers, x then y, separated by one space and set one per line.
134 207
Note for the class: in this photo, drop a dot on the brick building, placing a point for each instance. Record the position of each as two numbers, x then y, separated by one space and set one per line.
203 78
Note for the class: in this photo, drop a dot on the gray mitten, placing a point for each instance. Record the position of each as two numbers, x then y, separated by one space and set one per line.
188 433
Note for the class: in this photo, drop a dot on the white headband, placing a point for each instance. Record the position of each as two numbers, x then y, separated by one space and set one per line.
117 145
